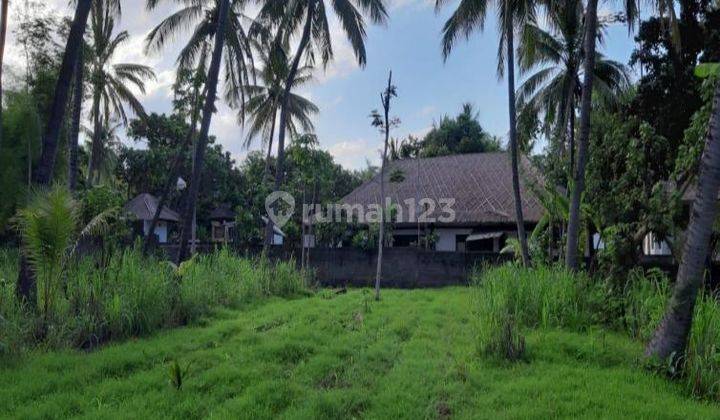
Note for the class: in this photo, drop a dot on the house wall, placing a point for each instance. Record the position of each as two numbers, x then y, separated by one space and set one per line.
447 240
653 247
161 230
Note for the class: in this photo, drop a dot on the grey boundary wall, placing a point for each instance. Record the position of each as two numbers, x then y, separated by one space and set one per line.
402 267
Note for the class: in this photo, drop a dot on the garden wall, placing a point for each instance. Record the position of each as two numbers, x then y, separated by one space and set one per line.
402 267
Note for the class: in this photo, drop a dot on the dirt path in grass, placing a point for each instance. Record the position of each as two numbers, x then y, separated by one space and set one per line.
412 355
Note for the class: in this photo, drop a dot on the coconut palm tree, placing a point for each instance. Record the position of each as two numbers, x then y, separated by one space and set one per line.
110 142
589 47
554 89
309 17
213 19
202 16
264 99
78 96
3 34
111 83
43 175
469 16
671 337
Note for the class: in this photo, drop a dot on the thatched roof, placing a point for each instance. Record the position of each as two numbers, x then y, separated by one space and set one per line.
480 183
222 212
144 206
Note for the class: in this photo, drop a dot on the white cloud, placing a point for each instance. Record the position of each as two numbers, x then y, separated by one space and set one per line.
427 110
353 154
415 4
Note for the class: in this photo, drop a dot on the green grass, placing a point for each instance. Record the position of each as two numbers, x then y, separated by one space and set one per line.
412 355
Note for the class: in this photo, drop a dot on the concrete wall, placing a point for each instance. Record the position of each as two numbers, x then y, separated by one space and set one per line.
402 267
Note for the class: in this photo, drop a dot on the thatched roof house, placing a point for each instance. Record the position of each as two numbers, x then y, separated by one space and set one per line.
143 207
480 187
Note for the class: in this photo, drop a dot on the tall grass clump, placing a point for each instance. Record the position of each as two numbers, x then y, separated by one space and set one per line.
702 361
14 328
129 295
643 302
510 299
224 279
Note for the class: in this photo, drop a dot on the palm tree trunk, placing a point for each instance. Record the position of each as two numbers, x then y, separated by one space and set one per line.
44 172
174 171
381 233
75 129
212 82
266 171
670 338
514 148
571 142
3 35
284 111
584 140
43 175
96 146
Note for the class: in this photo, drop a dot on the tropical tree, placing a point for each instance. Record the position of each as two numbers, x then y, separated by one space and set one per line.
671 337
111 83
315 41
78 96
469 16
110 144
264 99
578 184
554 89
43 175
3 34
229 40
188 99
213 19
50 228
202 16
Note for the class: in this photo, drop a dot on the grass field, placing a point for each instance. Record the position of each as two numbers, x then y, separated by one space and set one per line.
412 355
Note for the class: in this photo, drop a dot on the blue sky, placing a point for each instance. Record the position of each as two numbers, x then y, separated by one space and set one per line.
409 45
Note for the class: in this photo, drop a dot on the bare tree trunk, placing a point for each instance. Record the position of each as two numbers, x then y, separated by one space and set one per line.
208 109
584 140
520 222
3 35
43 175
96 145
571 138
305 38
381 233
302 232
75 129
671 337
174 171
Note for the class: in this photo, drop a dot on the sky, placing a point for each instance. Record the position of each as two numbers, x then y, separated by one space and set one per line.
409 45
